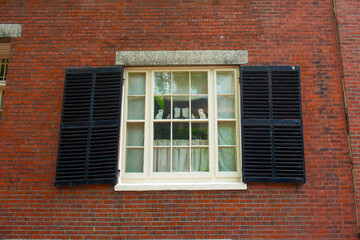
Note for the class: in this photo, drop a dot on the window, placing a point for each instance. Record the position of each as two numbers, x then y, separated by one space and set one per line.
180 126
4 55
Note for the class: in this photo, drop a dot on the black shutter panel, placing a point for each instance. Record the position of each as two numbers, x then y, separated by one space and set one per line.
90 125
272 138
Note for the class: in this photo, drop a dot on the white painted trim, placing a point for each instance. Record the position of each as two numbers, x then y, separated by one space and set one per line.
10 30
179 186
181 58
148 180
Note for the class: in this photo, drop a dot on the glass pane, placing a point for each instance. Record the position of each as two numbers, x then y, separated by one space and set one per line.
181 83
226 133
135 134
199 108
162 134
162 158
199 83
225 82
137 83
134 160
1 98
180 133
162 107
136 108
181 107
162 83
181 160
199 134
227 159
199 159
226 107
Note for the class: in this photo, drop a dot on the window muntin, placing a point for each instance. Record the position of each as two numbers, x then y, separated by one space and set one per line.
177 123
180 122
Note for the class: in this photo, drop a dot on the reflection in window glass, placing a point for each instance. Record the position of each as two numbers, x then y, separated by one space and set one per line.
181 83
225 83
199 84
162 83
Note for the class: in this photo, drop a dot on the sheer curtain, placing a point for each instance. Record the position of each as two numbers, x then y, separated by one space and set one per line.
180 157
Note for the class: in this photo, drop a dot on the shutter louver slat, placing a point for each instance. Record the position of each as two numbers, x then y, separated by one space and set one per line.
72 154
272 137
77 98
285 95
257 151
255 98
89 135
288 160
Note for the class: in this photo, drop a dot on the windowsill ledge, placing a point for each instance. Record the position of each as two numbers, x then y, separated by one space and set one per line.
179 186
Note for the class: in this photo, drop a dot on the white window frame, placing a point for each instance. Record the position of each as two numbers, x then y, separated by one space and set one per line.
148 180
2 90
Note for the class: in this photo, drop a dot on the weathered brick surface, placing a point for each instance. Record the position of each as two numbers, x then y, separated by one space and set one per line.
74 33
348 13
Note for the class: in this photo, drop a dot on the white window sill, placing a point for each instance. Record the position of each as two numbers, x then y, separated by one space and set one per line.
179 186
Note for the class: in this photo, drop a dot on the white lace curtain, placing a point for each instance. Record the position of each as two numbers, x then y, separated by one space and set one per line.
181 157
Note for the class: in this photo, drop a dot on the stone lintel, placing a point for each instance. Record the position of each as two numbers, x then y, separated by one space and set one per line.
181 58
10 30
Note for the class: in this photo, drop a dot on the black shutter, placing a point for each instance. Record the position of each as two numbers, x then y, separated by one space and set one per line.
90 125
272 138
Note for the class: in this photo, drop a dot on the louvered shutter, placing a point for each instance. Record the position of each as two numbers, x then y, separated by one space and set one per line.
90 123
272 139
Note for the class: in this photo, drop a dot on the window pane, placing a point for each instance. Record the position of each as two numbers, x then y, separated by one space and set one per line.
137 83
162 107
180 134
135 134
199 134
162 134
227 159
162 83
199 159
199 107
181 83
226 133
226 107
134 160
181 107
1 98
199 83
181 160
162 157
225 82
136 108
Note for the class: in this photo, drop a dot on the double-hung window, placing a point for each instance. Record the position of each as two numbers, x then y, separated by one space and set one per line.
4 55
180 129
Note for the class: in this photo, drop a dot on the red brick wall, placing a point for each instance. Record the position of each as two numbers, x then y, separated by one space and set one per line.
348 13
78 33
